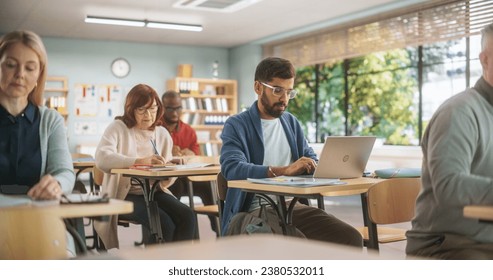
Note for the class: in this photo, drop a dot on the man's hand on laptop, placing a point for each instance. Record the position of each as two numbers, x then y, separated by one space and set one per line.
303 165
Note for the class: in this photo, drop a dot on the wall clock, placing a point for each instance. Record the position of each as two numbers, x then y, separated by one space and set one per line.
120 67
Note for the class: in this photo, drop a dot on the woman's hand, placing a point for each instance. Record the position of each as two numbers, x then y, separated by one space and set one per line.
47 188
154 159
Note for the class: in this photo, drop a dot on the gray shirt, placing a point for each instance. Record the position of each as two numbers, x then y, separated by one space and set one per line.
457 169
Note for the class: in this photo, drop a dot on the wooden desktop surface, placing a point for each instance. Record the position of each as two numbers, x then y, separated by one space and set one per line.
83 164
245 247
353 186
481 212
209 170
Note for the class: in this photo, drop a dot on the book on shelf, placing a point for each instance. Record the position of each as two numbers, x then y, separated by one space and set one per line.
200 104
224 105
203 136
219 104
185 117
192 104
208 104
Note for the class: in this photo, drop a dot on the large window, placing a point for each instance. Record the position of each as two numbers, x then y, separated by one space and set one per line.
379 93
385 75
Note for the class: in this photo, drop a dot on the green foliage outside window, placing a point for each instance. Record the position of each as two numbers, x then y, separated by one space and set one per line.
381 91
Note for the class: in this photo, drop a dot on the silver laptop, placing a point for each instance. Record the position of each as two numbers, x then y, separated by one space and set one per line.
344 157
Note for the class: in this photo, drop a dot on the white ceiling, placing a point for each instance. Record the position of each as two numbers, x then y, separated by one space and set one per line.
65 18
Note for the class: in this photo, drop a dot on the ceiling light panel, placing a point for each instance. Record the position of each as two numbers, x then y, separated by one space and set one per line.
223 6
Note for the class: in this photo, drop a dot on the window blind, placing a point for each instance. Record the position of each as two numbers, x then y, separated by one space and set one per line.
425 23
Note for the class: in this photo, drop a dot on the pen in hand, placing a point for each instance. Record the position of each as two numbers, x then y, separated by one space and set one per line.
154 146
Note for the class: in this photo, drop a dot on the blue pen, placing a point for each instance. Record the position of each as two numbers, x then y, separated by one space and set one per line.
154 146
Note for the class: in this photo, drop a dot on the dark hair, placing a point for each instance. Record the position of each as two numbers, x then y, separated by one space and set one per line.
139 96
34 42
274 67
170 94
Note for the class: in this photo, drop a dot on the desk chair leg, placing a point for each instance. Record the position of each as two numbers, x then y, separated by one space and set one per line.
321 202
372 242
76 229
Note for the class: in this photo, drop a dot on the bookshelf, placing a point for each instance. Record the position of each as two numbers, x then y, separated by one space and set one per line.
55 94
207 103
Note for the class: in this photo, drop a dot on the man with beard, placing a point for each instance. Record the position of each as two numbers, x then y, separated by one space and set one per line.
265 141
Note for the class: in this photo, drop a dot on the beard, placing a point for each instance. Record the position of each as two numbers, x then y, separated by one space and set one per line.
272 110
171 121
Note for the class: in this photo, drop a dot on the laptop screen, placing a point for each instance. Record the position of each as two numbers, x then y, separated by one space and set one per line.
344 156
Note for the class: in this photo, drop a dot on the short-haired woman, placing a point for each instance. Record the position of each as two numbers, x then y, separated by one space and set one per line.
130 140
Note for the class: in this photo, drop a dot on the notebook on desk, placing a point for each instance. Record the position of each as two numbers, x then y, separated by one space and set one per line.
344 157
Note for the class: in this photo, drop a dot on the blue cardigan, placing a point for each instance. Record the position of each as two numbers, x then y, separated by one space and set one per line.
242 155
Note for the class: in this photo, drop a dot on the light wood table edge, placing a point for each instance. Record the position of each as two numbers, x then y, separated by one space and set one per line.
481 212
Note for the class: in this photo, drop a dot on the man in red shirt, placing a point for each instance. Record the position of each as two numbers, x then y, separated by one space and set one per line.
184 144
183 135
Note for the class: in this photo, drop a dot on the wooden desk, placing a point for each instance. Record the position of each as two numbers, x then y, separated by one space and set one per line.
143 178
353 186
246 247
481 212
38 232
80 166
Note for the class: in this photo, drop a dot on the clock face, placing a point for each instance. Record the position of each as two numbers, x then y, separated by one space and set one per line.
120 67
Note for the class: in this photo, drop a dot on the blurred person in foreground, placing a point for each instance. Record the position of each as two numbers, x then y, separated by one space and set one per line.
457 171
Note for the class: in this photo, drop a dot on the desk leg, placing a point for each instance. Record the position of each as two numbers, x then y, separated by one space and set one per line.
152 209
192 206
372 242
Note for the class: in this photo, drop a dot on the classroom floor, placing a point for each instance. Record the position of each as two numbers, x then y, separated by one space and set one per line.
346 208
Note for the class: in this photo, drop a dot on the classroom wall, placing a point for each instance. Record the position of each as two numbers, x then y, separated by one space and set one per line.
88 62
243 61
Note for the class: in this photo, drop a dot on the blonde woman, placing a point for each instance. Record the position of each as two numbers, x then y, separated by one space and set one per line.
34 155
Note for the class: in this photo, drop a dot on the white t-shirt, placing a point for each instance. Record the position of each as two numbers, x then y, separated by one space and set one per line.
276 146
276 149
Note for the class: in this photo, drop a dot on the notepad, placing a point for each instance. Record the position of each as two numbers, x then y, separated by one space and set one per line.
297 181
169 166
152 167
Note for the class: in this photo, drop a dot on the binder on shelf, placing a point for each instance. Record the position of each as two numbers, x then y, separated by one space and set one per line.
219 105
224 106
208 104
200 104
203 136
191 103
185 117
208 149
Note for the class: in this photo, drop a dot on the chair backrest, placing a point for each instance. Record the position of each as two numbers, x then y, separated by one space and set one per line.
222 189
393 200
